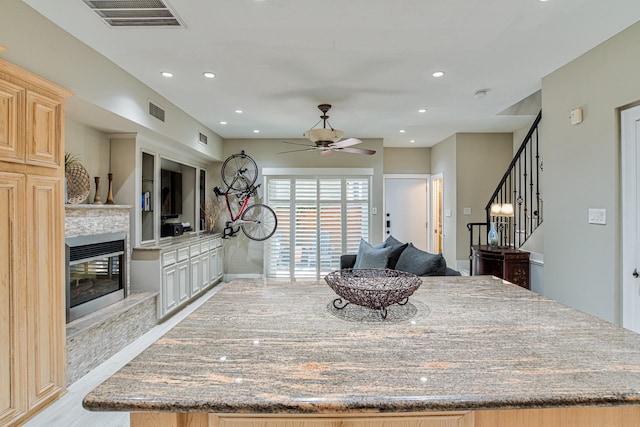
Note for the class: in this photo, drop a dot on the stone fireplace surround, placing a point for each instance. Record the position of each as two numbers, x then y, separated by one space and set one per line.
94 338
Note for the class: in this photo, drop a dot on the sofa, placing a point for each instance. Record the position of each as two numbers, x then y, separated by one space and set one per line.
397 255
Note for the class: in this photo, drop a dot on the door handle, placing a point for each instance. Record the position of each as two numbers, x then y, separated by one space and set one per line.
635 273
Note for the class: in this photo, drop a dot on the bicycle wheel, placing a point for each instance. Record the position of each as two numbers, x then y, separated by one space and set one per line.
239 172
259 222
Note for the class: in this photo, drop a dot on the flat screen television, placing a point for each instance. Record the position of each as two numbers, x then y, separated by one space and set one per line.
170 193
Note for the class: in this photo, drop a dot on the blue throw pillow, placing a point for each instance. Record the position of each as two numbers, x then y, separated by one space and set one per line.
421 263
393 242
371 257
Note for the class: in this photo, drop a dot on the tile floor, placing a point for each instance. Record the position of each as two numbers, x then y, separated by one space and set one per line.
68 411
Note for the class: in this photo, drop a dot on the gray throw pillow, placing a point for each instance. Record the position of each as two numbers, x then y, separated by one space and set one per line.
370 257
421 263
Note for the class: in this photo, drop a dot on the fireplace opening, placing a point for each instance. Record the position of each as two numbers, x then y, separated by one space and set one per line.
95 272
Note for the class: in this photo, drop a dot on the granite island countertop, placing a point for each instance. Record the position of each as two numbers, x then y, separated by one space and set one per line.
461 343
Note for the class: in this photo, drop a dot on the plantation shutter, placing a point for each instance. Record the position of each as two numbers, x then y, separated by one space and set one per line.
278 259
319 219
330 225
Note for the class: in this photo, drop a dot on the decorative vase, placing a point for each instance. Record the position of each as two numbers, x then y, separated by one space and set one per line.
110 191
96 198
492 237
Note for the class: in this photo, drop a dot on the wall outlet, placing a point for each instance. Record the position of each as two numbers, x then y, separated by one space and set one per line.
467 211
597 216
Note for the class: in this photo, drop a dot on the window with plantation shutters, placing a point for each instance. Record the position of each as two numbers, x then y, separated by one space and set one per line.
319 219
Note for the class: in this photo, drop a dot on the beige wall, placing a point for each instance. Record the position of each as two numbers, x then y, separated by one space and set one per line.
243 256
482 159
582 171
407 160
464 160
91 148
443 160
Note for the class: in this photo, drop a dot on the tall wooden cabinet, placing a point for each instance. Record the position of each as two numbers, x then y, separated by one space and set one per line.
32 310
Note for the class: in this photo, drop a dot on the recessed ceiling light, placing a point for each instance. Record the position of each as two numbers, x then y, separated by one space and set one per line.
223 123
402 131
438 74
239 111
481 93
256 131
412 141
422 110
167 74
209 75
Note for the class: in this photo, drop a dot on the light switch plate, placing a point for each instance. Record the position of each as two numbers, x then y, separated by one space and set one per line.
597 216
447 212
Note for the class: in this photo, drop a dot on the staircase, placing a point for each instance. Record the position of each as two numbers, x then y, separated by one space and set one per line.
519 188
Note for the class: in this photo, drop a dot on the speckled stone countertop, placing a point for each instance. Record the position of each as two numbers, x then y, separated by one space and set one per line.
461 343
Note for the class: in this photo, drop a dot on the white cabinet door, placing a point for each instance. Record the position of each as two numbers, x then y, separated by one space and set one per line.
196 276
213 265
170 285
204 271
183 281
220 262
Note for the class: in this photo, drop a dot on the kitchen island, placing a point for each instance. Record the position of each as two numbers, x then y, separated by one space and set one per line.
464 351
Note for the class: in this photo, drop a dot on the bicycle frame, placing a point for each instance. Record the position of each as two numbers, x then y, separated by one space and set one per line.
243 205
235 220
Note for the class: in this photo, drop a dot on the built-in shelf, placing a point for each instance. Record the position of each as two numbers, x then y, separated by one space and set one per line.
148 223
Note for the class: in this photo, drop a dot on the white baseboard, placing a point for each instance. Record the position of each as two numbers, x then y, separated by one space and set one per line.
462 265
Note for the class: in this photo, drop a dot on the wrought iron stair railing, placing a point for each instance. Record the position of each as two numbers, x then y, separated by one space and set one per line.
519 187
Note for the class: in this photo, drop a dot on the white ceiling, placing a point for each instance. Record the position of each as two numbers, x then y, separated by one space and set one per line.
371 59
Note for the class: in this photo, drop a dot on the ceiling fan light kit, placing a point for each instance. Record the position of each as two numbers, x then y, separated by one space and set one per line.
323 135
327 139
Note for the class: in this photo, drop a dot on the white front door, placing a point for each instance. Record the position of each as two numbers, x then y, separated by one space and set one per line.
630 123
406 213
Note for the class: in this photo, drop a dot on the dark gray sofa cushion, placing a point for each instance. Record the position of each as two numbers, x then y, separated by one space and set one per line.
394 255
421 263
349 260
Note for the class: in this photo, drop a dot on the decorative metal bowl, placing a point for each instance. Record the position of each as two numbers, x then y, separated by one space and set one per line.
375 288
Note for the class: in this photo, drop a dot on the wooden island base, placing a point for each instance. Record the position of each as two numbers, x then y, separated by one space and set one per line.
609 416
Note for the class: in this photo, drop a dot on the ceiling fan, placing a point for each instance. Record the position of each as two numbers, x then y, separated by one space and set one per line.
327 139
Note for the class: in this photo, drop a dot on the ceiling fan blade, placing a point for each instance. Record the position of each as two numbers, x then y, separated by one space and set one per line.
357 151
295 151
346 143
297 143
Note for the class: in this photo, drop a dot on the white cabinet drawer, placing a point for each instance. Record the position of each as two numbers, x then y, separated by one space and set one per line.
195 250
216 243
168 258
183 253
204 247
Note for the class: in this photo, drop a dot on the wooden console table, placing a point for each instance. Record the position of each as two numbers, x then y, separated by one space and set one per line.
507 263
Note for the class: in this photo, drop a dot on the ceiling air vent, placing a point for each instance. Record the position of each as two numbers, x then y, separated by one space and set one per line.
203 138
134 13
156 111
